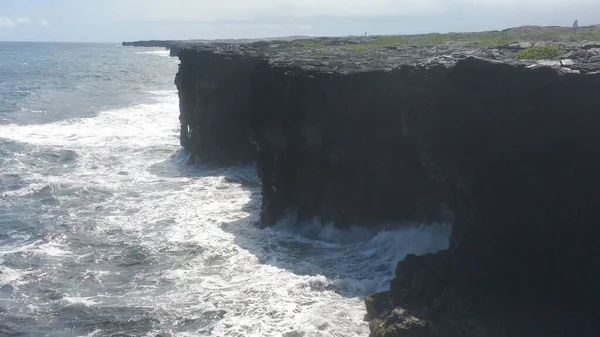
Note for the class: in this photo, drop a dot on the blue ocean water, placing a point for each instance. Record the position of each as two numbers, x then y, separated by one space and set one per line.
45 82
105 231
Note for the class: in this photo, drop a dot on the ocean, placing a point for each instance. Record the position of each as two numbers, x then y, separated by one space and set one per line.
105 230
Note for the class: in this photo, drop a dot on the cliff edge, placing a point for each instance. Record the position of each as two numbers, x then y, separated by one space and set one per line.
369 130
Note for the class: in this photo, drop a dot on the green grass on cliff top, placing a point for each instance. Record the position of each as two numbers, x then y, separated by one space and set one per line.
539 53
491 38
488 39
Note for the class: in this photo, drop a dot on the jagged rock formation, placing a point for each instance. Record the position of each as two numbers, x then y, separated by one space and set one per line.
357 133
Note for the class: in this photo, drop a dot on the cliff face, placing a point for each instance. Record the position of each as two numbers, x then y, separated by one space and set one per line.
331 146
215 98
511 147
517 149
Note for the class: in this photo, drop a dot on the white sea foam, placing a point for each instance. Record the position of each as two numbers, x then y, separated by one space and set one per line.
144 230
86 301
10 276
156 52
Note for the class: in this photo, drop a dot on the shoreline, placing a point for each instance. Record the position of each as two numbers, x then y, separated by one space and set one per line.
361 130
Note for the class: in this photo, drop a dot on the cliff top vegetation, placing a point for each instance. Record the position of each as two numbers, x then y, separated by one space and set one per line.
484 39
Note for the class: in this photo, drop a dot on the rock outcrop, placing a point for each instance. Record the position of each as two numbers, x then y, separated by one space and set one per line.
175 46
356 133
150 43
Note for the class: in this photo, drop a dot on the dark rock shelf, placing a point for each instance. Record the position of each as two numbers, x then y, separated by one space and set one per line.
362 54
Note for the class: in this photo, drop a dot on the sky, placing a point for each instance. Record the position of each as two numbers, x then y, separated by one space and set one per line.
127 20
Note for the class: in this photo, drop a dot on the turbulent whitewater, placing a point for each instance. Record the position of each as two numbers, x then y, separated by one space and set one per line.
105 230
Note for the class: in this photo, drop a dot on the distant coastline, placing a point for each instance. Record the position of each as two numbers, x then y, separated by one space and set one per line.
488 38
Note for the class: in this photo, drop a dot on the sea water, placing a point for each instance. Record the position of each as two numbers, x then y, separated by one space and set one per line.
106 231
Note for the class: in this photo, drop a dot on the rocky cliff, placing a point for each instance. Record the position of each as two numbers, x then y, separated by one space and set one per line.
150 43
359 131
175 46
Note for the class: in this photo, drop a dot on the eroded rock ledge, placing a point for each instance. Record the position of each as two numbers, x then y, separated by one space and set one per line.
361 135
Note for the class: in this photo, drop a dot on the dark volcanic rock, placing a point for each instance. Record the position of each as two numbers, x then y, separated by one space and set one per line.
419 280
174 46
331 146
358 54
519 159
453 315
215 98
378 304
402 323
390 134
152 43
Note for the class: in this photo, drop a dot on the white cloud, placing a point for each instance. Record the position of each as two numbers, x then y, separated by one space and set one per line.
12 22
6 22
541 4
114 20
23 20
188 10
208 10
